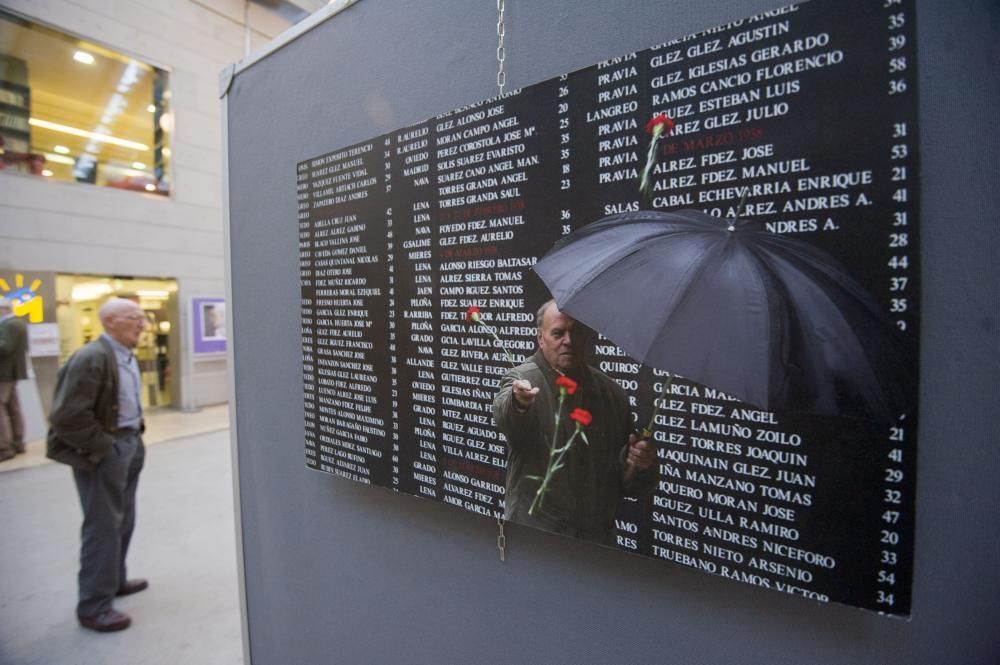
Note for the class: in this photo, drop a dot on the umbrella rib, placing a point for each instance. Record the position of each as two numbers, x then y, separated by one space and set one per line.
770 284
679 291
614 259
683 288
662 317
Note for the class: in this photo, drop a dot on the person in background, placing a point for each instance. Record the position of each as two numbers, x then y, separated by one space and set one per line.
96 427
13 368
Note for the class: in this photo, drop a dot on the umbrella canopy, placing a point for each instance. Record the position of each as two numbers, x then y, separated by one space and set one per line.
770 320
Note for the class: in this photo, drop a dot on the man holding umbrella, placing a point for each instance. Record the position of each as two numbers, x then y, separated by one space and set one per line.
583 495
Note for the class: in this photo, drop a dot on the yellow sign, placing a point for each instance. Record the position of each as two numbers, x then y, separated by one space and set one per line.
27 301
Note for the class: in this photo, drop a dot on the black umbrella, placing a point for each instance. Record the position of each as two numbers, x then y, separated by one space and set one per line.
770 320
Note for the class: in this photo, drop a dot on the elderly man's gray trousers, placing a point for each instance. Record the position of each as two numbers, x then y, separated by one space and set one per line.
107 496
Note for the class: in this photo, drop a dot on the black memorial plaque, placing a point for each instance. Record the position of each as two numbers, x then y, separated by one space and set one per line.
809 109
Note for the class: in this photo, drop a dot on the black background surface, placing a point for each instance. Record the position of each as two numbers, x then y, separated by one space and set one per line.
404 399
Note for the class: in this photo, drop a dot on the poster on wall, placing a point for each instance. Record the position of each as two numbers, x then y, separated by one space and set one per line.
208 323
728 225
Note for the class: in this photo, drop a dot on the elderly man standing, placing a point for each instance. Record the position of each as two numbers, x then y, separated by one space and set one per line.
585 493
97 429
13 368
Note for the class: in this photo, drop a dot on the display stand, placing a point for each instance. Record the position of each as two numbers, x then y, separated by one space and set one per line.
332 567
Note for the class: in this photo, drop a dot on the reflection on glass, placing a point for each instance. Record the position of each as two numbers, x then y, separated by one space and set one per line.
76 111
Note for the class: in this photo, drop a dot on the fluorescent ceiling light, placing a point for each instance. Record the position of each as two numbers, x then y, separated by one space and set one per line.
84 57
104 138
162 295
90 290
59 159
47 173
138 165
61 149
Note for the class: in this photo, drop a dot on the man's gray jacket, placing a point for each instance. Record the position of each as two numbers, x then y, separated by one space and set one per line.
584 495
85 409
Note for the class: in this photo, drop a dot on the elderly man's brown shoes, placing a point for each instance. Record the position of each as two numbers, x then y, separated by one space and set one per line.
106 622
112 620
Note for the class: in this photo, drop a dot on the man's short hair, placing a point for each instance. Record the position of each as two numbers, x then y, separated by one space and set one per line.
540 315
112 307
6 303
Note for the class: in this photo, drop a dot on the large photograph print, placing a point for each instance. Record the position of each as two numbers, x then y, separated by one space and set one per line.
666 303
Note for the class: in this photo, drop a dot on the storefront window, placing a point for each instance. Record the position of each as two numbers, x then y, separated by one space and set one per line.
78 300
76 111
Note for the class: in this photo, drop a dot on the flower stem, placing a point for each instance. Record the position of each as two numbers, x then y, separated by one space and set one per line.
490 330
554 462
556 456
650 162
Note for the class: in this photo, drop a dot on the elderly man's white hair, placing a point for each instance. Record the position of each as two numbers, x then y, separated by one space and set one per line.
115 307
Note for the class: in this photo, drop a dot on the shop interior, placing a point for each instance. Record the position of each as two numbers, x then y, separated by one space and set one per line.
76 111
80 296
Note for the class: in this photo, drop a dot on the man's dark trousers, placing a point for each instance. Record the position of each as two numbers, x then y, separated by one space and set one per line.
107 496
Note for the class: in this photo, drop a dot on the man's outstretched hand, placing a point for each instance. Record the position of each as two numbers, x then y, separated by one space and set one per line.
524 393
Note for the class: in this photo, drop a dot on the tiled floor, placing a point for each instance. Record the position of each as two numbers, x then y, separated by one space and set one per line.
184 544
161 425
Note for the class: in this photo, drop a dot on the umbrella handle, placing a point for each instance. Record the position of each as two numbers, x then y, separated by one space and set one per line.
647 431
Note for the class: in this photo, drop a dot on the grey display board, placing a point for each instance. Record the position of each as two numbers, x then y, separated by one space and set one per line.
337 572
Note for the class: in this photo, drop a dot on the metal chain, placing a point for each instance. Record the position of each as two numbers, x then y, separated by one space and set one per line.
501 81
501 53
501 540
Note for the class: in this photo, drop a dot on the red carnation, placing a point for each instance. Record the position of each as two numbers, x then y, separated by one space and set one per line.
472 314
566 383
661 121
581 416
659 125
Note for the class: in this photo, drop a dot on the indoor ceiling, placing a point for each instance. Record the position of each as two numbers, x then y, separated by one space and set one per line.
112 95
112 91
